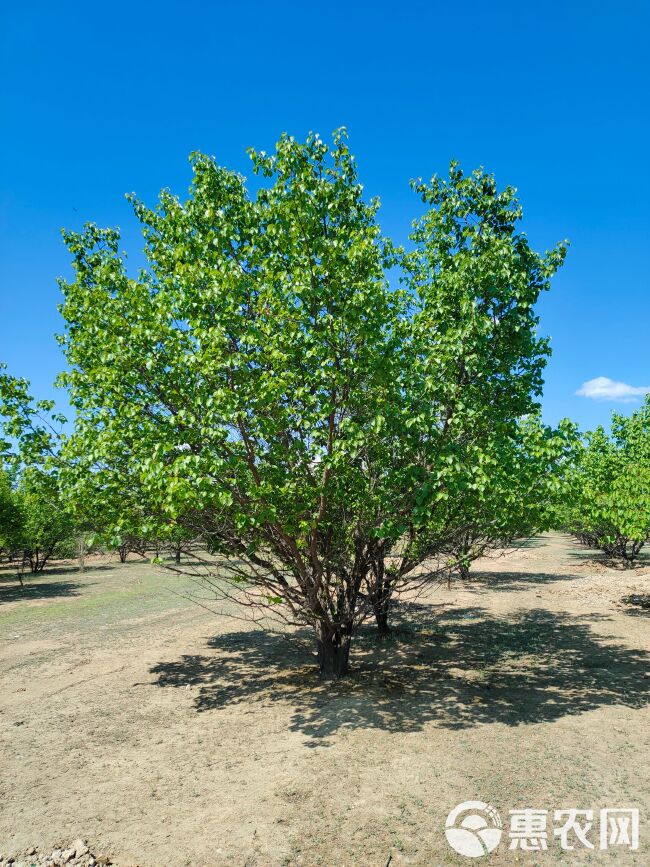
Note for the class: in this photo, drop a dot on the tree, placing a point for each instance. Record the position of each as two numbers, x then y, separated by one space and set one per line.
271 392
106 503
519 493
46 528
608 503
10 516
41 525
112 508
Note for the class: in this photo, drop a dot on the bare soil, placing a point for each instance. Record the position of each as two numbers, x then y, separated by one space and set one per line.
165 735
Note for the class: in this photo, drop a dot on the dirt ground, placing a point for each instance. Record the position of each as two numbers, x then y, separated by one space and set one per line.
168 736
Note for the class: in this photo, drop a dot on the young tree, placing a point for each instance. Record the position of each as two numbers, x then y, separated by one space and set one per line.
269 390
608 506
10 516
41 525
523 476
46 528
113 511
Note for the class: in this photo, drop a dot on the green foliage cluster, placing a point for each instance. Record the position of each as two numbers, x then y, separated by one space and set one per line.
607 500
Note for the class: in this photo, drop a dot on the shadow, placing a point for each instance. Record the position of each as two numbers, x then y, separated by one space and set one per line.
8 570
509 581
11 591
452 668
533 542
638 604
64 568
592 557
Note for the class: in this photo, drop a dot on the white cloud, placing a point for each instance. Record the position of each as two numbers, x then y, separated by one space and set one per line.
603 388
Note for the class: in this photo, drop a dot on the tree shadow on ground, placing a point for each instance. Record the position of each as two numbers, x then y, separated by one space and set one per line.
8 571
67 568
638 604
454 668
532 542
592 557
509 581
11 591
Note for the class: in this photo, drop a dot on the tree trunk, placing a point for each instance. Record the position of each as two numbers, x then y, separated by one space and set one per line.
381 616
380 593
42 558
333 653
380 606
81 553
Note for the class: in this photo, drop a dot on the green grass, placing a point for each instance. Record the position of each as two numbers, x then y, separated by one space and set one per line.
61 600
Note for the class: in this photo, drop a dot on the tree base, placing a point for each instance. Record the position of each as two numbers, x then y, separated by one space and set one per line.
333 658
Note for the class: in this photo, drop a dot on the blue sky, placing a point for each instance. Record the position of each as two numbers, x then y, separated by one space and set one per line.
103 99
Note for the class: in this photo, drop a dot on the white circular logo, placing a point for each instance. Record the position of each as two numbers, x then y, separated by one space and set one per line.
473 828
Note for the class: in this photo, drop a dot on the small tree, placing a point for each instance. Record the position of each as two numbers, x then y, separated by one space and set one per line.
272 393
518 495
106 505
608 506
42 526
10 515
46 528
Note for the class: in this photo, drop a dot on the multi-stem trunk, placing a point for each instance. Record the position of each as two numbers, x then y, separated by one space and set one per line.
335 625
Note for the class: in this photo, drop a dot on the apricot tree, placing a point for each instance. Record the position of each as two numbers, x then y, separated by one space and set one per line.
274 393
